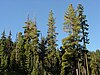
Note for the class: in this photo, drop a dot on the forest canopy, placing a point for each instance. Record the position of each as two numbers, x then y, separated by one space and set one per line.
34 54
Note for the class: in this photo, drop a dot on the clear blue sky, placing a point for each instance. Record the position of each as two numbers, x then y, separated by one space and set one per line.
13 14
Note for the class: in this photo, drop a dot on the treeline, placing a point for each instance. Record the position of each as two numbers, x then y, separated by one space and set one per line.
33 54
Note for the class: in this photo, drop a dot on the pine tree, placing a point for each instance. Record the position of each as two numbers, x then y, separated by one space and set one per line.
51 58
42 55
9 47
3 53
84 37
6 47
31 47
70 43
35 48
95 65
27 46
20 53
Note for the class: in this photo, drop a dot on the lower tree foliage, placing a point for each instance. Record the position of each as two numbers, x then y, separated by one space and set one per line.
33 54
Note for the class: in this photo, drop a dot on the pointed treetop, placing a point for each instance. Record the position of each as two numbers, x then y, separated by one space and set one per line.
80 7
69 19
10 33
51 13
3 33
9 37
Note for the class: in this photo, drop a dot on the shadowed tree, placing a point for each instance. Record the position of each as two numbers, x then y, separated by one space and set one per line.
95 63
84 38
3 56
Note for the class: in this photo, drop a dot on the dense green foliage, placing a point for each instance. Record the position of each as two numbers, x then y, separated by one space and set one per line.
33 54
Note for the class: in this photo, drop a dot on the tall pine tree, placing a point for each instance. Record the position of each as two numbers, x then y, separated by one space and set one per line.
84 38
35 48
70 43
3 54
51 59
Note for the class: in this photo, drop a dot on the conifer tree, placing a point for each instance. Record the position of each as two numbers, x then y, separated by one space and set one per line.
3 53
31 47
35 48
95 65
20 52
70 43
42 55
51 36
84 37
27 46
9 48
51 59
13 64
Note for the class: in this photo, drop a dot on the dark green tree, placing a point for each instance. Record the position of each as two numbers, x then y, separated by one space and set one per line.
95 65
3 56
9 47
42 55
84 37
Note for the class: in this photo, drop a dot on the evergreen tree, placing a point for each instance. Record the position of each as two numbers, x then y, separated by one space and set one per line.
31 47
9 47
27 46
84 37
35 48
3 56
42 55
95 65
70 43
20 53
51 59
